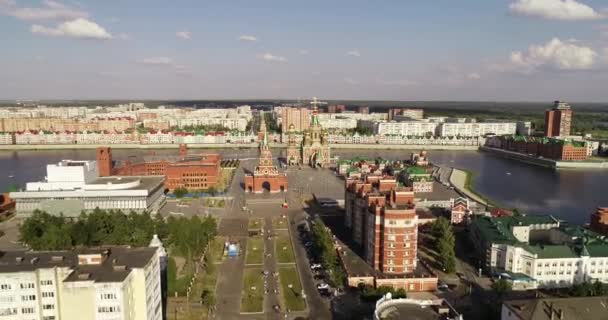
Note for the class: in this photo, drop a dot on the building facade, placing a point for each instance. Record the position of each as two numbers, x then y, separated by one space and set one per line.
537 252
558 120
266 176
298 117
71 187
193 172
550 148
111 283
315 145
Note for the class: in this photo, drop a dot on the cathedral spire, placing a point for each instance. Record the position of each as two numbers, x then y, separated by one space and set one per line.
315 111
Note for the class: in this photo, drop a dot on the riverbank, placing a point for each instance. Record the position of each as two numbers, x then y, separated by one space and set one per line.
549 163
18 147
462 181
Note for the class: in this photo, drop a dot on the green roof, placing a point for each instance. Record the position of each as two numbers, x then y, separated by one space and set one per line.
416 170
552 251
598 250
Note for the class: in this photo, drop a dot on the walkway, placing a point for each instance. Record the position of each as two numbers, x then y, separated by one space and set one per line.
458 180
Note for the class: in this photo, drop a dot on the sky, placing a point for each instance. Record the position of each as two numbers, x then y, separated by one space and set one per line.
467 50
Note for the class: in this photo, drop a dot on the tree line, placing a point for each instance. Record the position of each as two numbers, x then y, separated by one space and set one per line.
444 244
324 251
188 237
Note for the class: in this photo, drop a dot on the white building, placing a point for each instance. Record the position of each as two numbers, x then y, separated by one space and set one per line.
406 128
102 284
476 129
524 128
6 138
535 251
71 187
338 123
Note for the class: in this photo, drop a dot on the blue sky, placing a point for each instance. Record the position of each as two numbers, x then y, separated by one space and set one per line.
510 50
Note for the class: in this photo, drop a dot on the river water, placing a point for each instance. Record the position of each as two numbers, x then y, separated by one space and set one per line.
571 194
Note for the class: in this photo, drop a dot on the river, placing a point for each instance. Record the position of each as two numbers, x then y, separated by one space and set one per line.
571 194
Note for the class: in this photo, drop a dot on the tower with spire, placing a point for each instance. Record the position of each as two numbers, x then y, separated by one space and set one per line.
315 149
266 176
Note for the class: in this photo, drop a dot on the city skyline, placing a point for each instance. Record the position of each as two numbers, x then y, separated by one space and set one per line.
516 50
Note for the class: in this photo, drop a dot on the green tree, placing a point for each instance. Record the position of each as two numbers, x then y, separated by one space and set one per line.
501 287
180 192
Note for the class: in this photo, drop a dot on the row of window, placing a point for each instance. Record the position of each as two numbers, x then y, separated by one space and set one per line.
108 309
108 296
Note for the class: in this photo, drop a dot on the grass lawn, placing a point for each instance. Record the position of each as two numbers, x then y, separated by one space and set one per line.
255 250
292 297
256 223
283 249
252 295
279 223
217 249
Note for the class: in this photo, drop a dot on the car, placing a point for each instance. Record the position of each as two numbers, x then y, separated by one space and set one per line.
322 286
308 244
442 286
315 266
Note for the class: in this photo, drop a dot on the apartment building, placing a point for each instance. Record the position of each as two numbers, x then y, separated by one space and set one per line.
536 251
476 129
298 117
118 283
558 120
383 221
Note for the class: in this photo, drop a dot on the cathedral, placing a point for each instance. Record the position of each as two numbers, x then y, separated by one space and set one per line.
314 148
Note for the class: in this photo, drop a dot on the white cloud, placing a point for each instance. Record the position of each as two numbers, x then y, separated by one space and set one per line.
304 52
246 37
354 53
186 35
351 81
569 10
473 76
50 10
79 28
159 61
271 57
555 54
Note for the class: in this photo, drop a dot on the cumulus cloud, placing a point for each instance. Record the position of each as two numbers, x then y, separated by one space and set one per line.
569 10
246 37
272 58
80 28
473 76
555 54
49 10
353 53
185 35
159 61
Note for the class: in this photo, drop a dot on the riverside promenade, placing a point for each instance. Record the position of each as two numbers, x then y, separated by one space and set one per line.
458 179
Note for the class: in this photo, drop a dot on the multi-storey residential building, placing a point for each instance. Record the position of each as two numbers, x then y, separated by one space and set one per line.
406 128
475 129
107 283
7 138
71 187
298 117
558 120
383 221
59 124
407 113
523 128
547 254
418 178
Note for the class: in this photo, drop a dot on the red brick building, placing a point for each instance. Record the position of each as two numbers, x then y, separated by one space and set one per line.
193 172
266 176
558 120
599 221
549 148
6 203
383 220
460 211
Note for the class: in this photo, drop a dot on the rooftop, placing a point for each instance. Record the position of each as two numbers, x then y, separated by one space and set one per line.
584 308
115 266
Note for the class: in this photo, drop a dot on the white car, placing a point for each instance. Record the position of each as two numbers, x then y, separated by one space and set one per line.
323 286
316 266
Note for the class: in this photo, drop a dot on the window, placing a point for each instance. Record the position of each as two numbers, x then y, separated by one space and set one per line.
108 309
48 294
389 261
48 318
27 310
46 282
48 306
27 285
28 298
391 238
107 296
392 222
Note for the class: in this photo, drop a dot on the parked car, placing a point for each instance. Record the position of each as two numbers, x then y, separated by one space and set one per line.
315 266
322 286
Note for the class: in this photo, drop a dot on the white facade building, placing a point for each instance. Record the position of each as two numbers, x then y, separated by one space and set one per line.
71 187
476 129
102 284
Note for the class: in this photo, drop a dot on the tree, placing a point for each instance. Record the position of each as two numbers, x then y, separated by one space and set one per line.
180 192
501 287
439 227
